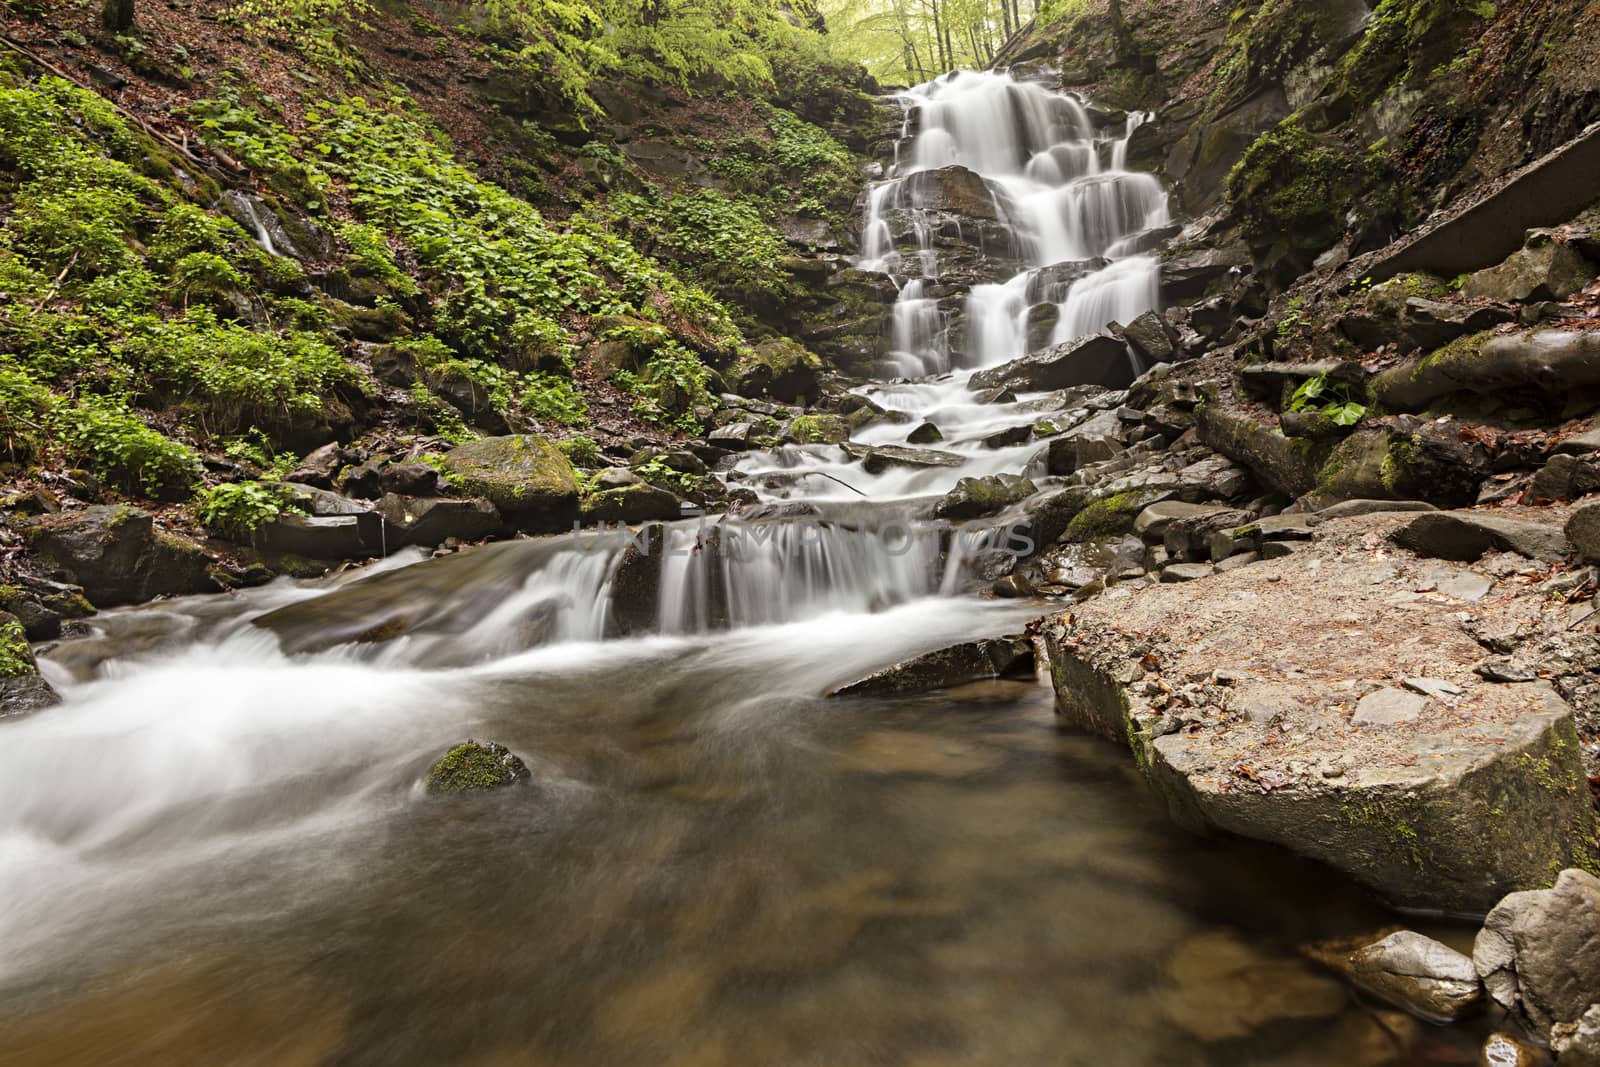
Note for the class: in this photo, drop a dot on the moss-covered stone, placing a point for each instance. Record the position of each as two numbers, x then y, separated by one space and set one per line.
21 689
475 765
527 477
820 429
1111 516
1291 186
973 497
779 368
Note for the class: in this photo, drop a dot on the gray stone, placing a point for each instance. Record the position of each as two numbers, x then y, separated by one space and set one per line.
925 434
1503 669
1466 536
1150 337
1097 360
1153 520
1389 707
616 478
1419 974
429 521
1433 687
630 504
1539 952
118 556
329 537
526 477
1565 477
879 458
1547 271
1346 509
1186 572
1580 444
1551 361
737 436
1583 530
1577 1044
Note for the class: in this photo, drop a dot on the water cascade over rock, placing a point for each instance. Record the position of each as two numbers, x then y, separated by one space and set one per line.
1020 199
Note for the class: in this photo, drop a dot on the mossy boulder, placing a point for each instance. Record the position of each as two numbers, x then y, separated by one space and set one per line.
779 368
631 504
21 689
528 478
475 765
973 497
1111 516
1549 364
820 429
1545 270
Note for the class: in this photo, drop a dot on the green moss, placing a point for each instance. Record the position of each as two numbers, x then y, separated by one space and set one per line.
16 658
475 765
1290 185
820 429
1108 517
514 473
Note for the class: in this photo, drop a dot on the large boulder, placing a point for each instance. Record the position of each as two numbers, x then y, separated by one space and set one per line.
879 458
1098 360
1539 952
952 190
527 478
1466 536
328 537
22 691
1281 463
779 368
1545 270
118 556
1583 530
1239 712
631 504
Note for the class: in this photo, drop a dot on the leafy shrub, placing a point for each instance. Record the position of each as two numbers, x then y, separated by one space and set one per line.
122 449
550 396
235 510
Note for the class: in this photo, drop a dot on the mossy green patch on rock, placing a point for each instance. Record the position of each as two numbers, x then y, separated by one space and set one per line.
16 658
1108 517
475 765
527 477
21 689
820 429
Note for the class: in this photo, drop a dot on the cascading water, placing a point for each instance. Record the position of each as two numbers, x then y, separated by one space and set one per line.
1062 193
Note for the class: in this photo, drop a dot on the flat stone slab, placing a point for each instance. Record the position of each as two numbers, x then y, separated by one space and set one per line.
1245 700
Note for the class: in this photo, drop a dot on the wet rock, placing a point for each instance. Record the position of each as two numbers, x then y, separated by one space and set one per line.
818 430
527 478
1546 271
430 521
1098 360
41 605
1151 338
118 556
1577 1044
948 667
955 190
974 497
925 434
1583 530
737 436
1009 438
474 765
327 537
364 481
1539 952
22 690
1419 974
1503 1050
879 458
636 581
1553 362
1187 539
1279 462
409 479
631 504
1389 707
1466 536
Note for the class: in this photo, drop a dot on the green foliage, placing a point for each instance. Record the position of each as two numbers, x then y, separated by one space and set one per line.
505 275
229 123
122 449
551 397
16 658
310 26
656 471
582 451
236 509
671 385
722 240
1329 398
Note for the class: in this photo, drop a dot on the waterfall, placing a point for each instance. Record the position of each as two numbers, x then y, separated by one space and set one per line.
1063 194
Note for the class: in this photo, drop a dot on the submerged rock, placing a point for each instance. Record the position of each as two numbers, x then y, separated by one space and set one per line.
1539 952
475 765
997 658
